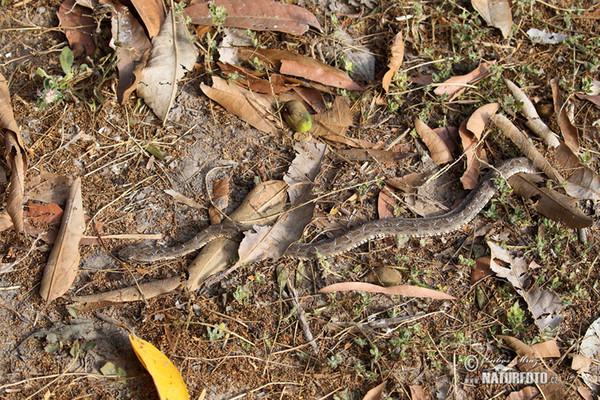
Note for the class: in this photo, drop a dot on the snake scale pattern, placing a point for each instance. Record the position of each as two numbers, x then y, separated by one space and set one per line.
354 237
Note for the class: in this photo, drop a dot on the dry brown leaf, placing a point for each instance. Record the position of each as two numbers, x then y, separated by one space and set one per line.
79 27
440 153
184 199
253 108
454 86
482 270
262 206
43 213
533 119
258 15
583 182
480 117
152 14
471 132
409 183
399 290
332 125
527 393
397 55
129 41
5 221
272 242
567 128
172 55
551 204
585 392
302 66
376 392
220 200
63 262
144 291
313 97
547 349
496 13
417 392
555 389
48 188
594 99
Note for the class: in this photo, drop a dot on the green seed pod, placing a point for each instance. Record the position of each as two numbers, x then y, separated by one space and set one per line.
296 116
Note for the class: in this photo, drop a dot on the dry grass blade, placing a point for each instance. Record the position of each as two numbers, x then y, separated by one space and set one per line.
567 128
397 55
63 262
551 204
133 293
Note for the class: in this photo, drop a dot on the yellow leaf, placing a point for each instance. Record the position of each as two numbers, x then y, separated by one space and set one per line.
168 380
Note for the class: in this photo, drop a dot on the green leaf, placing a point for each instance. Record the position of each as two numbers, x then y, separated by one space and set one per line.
110 369
155 151
66 60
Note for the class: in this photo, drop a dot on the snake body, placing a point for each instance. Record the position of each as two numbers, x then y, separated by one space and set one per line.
362 233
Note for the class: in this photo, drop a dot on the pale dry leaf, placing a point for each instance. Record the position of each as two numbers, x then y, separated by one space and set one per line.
130 42
375 393
395 61
399 290
544 37
582 181
173 54
272 242
438 149
48 187
547 349
258 15
144 291
496 13
254 108
455 85
545 306
184 199
480 117
79 27
262 206
63 262
590 350
5 221
568 130
332 125
417 392
354 52
585 392
533 119
551 204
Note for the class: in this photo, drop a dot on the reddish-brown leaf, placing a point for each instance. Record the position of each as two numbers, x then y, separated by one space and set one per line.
457 84
258 15
397 54
44 213
386 203
482 270
376 392
313 70
80 27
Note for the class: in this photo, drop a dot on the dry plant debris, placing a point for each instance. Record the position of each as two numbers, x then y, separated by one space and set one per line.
115 106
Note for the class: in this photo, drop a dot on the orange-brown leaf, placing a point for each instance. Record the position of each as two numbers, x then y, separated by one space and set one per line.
399 290
397 55
567 129
440 153
457 84
152 14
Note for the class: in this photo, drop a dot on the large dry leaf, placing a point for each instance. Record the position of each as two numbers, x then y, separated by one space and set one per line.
586 362
272 242
301 66
457 84
554 389
43 213
173 54
258 15
496 13
533 119
143 291
332 125
79 27
354 52
262 206
63 262
567 128
254 108
551 204
545 306
169 383
399 290
16 158
152 14
130 42
48 187
438 148
583 182
397 55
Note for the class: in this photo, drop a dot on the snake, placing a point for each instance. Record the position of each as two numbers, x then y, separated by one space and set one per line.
437 225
